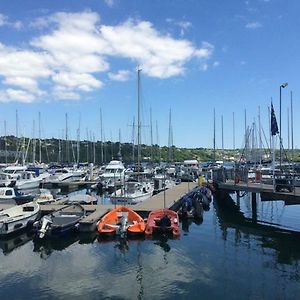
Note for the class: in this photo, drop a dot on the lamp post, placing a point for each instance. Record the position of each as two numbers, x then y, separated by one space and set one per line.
280 141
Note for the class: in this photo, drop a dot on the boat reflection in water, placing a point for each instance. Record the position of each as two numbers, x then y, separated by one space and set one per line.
49 244
285 241
8 244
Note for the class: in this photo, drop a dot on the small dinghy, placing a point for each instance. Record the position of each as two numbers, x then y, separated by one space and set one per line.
163 221
61 221
18 217
120 221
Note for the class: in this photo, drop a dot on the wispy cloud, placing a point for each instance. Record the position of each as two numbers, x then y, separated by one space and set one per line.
122 75
183 25
253 25
110 3
4 21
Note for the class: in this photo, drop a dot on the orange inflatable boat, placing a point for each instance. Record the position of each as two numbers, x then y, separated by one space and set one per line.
121 220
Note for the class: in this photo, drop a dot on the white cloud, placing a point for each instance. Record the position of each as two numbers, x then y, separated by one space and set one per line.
122 75
12 95
109 3
160 56
84 82
253 25
4 21
184 24
24 82
76 47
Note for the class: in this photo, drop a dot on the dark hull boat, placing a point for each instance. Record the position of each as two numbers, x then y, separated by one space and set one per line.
191 207
163 221
60 222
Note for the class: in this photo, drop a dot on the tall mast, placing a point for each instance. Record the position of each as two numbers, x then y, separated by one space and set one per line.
94 149
157 141
222 137
101 136
120 147
139 122
259 136
151 136
5 144
292 126
133 139
214 137
33 143
233 130
67 142
40 142
170 137
288 129
78 140
17 130
87 145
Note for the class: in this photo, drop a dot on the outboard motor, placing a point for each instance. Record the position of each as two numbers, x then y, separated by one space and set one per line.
123 227
46 222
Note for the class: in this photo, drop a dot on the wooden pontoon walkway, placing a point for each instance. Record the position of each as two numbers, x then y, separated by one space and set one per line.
266 191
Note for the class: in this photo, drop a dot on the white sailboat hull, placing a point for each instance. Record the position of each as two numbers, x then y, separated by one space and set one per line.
17 218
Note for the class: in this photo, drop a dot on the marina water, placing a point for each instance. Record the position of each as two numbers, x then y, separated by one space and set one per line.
232 254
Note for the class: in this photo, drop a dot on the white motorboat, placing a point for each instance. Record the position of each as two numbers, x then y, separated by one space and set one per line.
113 175
14 171
18 217
5 179
64 175
12 196
133 192
27 180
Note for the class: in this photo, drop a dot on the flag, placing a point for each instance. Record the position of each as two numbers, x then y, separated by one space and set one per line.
274 126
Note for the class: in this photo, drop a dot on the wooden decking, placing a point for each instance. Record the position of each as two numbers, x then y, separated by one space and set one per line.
266 191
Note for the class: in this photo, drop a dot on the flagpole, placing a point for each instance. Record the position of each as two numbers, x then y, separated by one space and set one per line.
273 161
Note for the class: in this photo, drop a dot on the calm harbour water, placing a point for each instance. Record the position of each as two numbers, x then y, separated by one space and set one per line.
229 256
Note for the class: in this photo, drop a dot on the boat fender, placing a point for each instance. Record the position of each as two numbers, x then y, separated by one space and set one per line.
176 232
149 230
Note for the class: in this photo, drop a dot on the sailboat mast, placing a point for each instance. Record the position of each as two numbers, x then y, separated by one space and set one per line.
151 136
133 138
139 122
5 143
33 143
40 142
292 126
170 137
214 138
233 130
78 140
101 136
67 142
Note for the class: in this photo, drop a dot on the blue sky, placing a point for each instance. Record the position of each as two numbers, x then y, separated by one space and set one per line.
75 57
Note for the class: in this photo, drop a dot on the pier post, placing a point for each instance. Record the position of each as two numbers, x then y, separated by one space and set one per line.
238 196
254 207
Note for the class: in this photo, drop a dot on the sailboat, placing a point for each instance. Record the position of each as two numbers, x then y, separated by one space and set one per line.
135 190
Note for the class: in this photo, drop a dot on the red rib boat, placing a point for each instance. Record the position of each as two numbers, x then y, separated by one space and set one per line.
163 220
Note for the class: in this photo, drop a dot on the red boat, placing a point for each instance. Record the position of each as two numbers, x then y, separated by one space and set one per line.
163 220
120 221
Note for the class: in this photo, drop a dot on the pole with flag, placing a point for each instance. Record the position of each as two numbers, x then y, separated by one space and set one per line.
274 132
